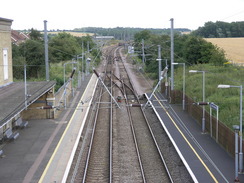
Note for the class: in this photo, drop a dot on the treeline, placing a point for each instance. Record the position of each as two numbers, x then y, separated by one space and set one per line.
62 47
124 33
220 30
188 49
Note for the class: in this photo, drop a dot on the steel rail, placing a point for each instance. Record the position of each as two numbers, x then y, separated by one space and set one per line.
111 132
131 89
134 135
93 133
151 132
91 141
116 84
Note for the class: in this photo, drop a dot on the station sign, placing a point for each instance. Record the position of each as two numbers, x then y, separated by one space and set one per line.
214 106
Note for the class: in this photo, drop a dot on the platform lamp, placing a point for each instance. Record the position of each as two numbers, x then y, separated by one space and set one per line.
203 97
240 153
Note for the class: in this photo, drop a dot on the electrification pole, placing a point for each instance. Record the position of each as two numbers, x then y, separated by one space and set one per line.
46 50
143 53
83 69
88 47
159 66
172 53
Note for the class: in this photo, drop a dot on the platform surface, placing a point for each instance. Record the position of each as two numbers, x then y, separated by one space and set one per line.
25 159
58 166
206 160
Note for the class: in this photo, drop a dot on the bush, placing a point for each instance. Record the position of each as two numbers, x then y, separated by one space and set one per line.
228 100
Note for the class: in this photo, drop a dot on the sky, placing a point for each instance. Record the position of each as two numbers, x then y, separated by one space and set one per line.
70 14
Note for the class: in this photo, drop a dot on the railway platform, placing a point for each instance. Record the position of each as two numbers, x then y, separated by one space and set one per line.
205 160
25 159
60 162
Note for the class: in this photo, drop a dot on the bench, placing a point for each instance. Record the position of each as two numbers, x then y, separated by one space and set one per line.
9 135
19 123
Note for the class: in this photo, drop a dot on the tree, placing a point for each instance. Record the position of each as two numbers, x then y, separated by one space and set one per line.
189 49
63 47
33 52
220 29
218 57
35 35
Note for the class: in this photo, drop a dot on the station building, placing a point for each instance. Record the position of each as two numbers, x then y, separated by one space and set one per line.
19 101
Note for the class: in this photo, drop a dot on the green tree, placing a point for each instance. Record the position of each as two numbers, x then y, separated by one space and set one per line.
188 48
35 35
33 52
63 47
218 57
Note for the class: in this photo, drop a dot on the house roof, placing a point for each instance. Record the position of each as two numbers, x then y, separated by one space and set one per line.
18 37
12 97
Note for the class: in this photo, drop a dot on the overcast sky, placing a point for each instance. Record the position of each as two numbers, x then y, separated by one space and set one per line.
72 14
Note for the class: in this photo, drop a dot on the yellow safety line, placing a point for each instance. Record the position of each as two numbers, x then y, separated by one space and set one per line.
200 159
61 139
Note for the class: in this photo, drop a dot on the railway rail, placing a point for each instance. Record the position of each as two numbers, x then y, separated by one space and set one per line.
120 145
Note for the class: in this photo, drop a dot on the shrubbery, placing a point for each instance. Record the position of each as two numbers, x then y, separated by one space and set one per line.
188 49
228 100
62 48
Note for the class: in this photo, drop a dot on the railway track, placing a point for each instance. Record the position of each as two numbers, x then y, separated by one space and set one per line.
118 144
152 161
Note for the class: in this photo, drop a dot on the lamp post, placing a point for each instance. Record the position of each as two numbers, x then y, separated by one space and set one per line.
240 153
184 83
203 97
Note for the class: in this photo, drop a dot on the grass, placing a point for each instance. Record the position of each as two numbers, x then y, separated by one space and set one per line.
57 73
228 100
233 47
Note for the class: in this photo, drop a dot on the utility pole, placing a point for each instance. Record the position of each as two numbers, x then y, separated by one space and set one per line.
143 53
46 50
159 66
172 53
83 70
88 47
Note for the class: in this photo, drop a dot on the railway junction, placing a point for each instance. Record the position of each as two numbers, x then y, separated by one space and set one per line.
161 143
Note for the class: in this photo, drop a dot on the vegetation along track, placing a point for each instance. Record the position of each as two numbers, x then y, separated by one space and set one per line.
123 147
